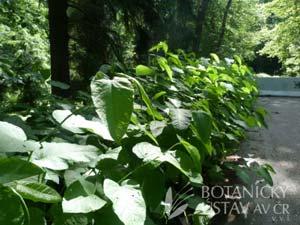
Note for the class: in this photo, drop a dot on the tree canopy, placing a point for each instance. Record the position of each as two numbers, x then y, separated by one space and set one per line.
280 33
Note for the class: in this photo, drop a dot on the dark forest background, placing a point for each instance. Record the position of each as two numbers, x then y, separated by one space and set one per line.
85 34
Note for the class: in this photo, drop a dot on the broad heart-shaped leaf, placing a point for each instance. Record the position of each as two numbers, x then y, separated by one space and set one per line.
113 100
80 187
53 155
83 204
141 70
80 198
128 202
193 153
56 156
181 118
112 154
78 124
153 188
188 167
11 138
13 169
157 127
11 209
203 125
150 153
37 192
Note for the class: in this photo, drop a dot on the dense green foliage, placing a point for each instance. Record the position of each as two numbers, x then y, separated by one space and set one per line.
281 33
166 124
24 50
136 128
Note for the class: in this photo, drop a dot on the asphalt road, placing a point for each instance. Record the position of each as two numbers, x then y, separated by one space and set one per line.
278 145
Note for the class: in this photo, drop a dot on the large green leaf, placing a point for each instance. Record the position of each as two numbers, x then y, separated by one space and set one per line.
80 187
203 124
12 138
157 127
128 202
13 169
193 153
153 188
181 118
112 154
141 70
113 100
37 216
80 198
83 204
52 155
11 209
57 156
188 167
78 124
37 192
150 153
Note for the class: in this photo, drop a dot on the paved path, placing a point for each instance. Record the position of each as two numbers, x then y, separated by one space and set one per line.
279 145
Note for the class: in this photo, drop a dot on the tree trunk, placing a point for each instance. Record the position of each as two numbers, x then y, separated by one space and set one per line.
223 26
199 25
147 36
59 45
143 44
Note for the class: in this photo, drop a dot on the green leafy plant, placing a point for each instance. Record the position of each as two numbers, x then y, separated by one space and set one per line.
167 123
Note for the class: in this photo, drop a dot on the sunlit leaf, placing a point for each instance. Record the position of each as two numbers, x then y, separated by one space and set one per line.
83 204
58 156
80 198
181 118
78 124
128 202
113 100
141 70
37 192
12 138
